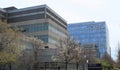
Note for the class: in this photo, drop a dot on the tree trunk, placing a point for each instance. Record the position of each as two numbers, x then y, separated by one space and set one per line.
28 67
76 66
35 66
10 66
45 65
58 68
66 63
83 66
36 62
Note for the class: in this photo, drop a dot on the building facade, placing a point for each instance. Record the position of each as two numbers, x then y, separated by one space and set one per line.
38 21
2 14
90 52
91 33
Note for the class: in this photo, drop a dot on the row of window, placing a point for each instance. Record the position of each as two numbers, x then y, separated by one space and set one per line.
47 38
26 11
42 26
58 18
87 25
89 37
87 31
26 17
57 30
35 27
42 37
88 34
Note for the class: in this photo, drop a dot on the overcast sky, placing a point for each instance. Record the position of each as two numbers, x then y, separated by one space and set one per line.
81 11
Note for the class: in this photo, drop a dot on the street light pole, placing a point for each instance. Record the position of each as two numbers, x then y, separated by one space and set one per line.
86 64
86 60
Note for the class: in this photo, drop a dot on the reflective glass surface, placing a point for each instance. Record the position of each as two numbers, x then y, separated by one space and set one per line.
34 27
38 27
90 33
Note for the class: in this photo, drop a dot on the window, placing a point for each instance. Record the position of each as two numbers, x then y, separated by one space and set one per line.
35 27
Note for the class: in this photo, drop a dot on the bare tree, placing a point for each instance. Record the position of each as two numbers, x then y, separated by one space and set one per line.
32 52
66 50
108 58
118 56
78 55
36 46
10 45
107 62
118 59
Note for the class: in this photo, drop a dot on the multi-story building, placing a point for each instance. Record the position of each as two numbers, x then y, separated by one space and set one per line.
90 52
38 21
91 33
2 14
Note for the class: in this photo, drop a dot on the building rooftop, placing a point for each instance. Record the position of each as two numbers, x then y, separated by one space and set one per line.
85 22
14 9
2 10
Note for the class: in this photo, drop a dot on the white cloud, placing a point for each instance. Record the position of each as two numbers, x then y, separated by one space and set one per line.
90 4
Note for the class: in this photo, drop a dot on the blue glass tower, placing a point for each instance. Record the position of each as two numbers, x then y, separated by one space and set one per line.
90 33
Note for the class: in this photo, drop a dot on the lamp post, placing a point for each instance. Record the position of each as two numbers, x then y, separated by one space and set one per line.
86 60
86 64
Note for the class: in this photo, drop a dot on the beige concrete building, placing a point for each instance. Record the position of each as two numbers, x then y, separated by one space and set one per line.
38 21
